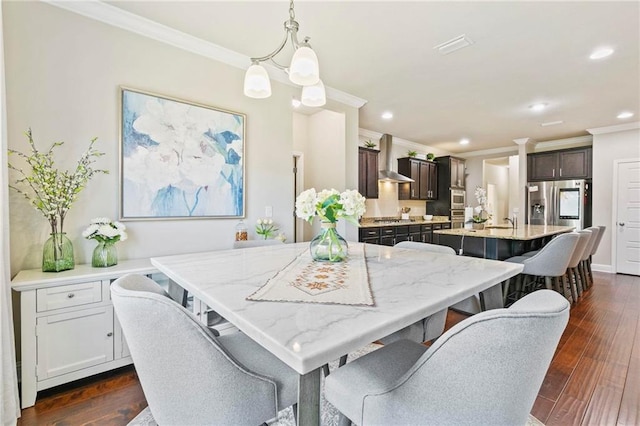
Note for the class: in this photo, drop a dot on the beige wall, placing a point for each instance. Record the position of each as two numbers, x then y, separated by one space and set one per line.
63 73
499 177
607 148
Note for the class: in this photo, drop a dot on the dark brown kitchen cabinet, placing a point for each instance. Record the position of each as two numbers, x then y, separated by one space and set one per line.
425 176
368 172
572 163
457 172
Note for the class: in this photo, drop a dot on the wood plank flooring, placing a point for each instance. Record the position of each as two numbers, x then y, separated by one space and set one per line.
594 378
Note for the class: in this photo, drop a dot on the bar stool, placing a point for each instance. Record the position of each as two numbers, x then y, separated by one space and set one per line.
550 263
594 249
583 266
573 275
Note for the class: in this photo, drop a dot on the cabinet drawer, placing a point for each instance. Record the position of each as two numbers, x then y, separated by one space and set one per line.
66 296
387 231
369 233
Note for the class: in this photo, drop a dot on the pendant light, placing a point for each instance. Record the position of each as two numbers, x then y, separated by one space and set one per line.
304 69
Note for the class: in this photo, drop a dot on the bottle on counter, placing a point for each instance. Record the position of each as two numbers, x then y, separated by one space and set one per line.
241 231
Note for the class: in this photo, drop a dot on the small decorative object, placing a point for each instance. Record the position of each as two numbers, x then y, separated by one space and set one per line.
481 214
369 144
107 233
52 192
266 228
431 156
412 154
241 231
281 237
329 206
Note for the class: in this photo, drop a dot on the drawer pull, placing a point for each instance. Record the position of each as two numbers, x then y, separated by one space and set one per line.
109 334
70 295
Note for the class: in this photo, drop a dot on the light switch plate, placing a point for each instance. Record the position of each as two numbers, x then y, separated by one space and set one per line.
268 211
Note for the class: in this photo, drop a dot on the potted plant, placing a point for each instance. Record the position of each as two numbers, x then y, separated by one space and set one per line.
481 214
412 154
370 144
431 156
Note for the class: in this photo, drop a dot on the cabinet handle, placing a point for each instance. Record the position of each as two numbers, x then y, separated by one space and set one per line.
412 192
554 173
560 171
109 334
70 295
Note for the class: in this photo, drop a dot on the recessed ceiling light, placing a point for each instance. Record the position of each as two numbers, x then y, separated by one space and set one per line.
387 115
464 141
625 114
601 53
538 107
551 123
296 103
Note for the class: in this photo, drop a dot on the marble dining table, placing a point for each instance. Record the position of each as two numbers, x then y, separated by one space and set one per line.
406 285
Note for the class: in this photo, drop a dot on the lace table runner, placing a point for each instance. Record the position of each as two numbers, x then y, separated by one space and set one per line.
303 280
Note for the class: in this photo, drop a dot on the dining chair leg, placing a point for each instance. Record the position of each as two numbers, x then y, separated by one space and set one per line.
578 278
547 283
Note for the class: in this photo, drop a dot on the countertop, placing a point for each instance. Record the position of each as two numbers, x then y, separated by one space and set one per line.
378 222
523 232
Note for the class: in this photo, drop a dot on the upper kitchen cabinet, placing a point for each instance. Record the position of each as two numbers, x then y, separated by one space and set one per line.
368 172
425 176
452 169
564 164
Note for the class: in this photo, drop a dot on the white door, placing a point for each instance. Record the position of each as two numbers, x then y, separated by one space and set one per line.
628 219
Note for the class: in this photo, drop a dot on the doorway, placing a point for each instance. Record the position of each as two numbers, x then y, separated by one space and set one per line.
626 218
298 187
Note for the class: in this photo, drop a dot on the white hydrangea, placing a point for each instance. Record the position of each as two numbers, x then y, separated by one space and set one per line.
104 230
330 205
306 204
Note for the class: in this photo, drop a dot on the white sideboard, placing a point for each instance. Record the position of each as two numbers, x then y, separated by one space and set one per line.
68 328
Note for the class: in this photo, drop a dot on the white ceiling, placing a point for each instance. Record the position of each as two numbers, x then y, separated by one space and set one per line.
523 53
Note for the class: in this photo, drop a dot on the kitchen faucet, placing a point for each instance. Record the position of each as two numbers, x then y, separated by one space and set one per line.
513 221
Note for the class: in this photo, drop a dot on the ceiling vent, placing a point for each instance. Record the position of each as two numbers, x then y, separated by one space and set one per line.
453 44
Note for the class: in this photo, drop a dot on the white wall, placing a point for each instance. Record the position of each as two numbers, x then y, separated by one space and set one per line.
499 177
63 73
608 147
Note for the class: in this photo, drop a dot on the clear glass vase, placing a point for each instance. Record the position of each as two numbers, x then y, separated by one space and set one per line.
328 245
105 254
57 253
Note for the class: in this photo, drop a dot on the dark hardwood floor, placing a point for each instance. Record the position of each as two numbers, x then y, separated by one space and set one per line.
594 378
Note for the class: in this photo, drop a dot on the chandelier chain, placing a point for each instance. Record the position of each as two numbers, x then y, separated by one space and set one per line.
292 13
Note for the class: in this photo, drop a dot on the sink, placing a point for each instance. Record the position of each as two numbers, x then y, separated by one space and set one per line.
498 227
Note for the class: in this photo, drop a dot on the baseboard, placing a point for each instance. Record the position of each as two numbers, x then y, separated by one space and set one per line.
602 268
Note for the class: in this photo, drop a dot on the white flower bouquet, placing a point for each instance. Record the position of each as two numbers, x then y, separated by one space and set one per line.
104 230
330 205
480 210
266 228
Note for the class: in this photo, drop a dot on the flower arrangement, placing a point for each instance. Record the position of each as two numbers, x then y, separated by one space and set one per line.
330 205
48 189
480 210
103 230
266 228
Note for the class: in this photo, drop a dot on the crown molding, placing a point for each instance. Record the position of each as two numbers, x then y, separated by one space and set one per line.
576 141
613 129
509 150
114 16
365 133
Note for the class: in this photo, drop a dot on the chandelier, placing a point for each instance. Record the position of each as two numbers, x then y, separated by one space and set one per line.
303 70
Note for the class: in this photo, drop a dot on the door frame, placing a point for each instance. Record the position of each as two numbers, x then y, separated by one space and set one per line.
298 186
614 212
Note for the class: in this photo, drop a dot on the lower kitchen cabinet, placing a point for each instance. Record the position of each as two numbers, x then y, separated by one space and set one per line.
392 235
68 328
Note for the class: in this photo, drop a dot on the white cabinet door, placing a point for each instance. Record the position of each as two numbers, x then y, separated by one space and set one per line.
120 343
75 340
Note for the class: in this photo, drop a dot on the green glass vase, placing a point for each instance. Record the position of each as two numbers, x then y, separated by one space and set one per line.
104 255
57 253
328 245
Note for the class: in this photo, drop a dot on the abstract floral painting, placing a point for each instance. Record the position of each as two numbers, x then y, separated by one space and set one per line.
179 159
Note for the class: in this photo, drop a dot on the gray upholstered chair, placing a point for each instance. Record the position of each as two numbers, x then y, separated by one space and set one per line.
573 275
594 249
428 328
550 263
583 267
188 375
486 370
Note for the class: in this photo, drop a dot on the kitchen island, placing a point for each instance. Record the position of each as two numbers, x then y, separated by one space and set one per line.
498 242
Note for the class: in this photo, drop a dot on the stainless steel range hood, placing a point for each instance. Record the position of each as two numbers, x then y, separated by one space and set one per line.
388 175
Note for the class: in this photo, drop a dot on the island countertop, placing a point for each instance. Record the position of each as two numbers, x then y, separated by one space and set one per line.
523 232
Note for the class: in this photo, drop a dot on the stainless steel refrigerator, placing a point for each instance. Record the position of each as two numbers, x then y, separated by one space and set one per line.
563 202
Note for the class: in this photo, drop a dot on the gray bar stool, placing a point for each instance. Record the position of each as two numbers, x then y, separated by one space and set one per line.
572 270
583 267
550 263
594 249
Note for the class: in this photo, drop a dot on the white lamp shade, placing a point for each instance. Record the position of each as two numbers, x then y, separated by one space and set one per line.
304 69
256 82
314 95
